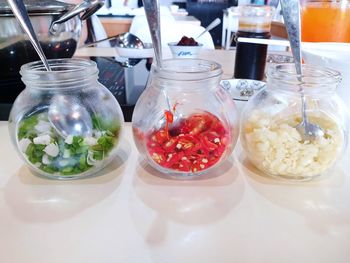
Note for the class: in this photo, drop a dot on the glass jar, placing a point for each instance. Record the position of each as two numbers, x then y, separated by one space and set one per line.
184 122
269 119
250 59
65 124
325 20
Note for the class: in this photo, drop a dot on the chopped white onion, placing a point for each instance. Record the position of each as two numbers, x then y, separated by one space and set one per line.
45 159
90 158
90 141
69 139
43 126
42 139
52 149
23 144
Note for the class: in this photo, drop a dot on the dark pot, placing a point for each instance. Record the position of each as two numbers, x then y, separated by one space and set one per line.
58 27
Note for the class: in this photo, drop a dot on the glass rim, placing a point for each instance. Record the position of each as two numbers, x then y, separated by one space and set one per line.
187 69
254 10
65 72
322 77
76 64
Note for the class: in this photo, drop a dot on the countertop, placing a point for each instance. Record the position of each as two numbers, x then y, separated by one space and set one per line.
130 213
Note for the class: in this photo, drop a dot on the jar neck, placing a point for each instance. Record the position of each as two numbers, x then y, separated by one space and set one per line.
67 73
313 80
180 74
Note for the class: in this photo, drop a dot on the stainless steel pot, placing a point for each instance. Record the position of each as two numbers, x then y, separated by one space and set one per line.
58 27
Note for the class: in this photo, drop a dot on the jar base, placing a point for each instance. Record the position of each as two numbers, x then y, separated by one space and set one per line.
161 172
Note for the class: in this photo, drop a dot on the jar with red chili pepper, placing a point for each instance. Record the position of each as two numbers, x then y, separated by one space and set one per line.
185 123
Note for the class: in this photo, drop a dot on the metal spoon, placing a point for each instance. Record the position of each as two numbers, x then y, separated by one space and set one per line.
124 40
65 115
69 117
20 12
153 18
291 15
212 25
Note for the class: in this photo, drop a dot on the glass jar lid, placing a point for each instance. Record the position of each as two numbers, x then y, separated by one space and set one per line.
37 7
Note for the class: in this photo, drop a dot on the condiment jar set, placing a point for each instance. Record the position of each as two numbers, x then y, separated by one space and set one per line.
184 123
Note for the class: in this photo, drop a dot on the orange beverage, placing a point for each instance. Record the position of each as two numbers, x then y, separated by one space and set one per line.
325 21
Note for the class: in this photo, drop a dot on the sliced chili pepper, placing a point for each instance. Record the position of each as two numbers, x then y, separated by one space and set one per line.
169 118
173 158
160 136
169 146
185 165
158 158
195 144
197 125
188 143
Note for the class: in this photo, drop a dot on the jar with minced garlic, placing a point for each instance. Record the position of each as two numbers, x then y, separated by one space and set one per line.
185 123
269 119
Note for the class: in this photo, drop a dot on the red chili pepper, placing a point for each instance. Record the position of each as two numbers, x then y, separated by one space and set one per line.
195 144
160 136
184 166
169 118
169 146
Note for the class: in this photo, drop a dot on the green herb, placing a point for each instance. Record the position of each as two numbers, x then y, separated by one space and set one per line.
35 152
77 162
106 142
49 169
83 165
103 124
27 127
77 146
98 155
67 170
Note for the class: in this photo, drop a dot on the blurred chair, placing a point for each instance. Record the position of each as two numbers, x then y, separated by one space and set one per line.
229 26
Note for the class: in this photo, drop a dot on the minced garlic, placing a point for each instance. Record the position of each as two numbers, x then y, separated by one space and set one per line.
275 146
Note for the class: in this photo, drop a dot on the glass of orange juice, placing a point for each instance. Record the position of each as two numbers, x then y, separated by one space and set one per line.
325 21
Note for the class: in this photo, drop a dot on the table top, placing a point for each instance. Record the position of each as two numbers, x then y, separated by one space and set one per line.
131 213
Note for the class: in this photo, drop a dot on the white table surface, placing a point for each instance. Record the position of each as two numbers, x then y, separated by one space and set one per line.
130 214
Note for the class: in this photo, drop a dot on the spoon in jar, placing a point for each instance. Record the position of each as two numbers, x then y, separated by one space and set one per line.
19 10
60 114
153 19
291 15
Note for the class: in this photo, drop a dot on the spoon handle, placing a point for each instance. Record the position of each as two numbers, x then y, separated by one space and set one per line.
19 10
153 18
291 16
213 24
